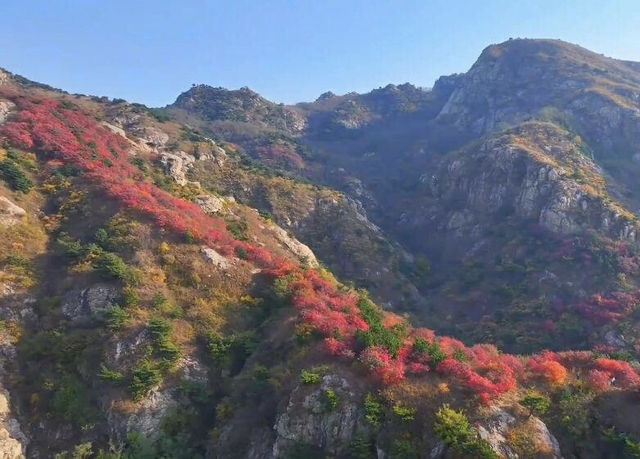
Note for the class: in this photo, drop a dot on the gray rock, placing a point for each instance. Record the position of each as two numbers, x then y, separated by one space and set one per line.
5 107
193 370
12 440
10 213
146 418
176 165
308 420
209 204
615 339
90 302
301 250
215 258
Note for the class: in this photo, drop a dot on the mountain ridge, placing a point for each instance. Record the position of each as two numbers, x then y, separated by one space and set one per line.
156 300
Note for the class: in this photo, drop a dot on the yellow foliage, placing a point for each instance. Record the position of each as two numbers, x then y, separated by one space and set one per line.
164 248
443 387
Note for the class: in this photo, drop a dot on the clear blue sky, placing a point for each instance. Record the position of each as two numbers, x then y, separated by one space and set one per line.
288 50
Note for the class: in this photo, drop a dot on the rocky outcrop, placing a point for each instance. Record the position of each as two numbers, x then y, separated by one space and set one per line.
310 418
176 165
5 107
210 204
516 173
10 213
213 257
145 418
500 426
242 105
12 439
89 303
301 250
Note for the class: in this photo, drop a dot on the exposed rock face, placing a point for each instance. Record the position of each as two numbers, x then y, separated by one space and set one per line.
146 418
496 428
209 204
176 165
298 248
10 213
12 440
5 107
215 258
244 105
502 175
155 137
308 419
89 303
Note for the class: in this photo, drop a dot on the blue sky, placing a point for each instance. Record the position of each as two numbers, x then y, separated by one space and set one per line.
287 50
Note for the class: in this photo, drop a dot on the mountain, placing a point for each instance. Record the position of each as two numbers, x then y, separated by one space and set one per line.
445 272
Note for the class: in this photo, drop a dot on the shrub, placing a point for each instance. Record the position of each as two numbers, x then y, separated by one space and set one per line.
403 449
362 447
332 399
116 317
231 351
112 266
242 253
373 410
309 377
144 378
536 403
160 329
239 230
71 401
454 429
112 376
14 176
407 414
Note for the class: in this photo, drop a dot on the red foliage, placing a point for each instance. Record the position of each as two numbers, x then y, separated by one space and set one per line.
546 366
599 380
382 365
601 310
72 137
623 374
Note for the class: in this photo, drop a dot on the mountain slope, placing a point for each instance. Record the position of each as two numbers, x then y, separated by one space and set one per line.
152 306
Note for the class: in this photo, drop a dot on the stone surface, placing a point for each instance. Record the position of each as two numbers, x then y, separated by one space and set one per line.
10 213
301 250
12 440
215 258
495 429
209 204
145 419
308 420
176 165
89 302
5 107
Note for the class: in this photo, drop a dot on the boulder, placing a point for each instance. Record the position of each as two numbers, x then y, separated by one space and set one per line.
215 258
10 213
90 302
301 250
5 107
209 204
